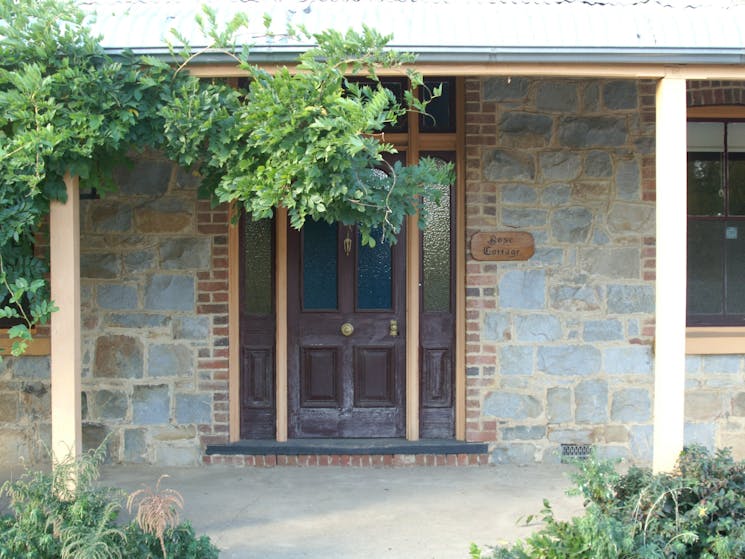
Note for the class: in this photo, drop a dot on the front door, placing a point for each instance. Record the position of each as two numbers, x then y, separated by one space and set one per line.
346 334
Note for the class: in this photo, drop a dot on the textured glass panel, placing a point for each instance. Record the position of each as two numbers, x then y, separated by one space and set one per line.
705 269
734 244
257 260
374 275
320 270
705 184
436 254
441 109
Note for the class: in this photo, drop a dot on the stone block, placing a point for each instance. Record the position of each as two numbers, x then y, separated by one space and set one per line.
8 407
151 404
574 298
499 164
602 330
173 433
170 292
144 177
518 194
178 456
596 191
631 405
641 443
185 254
704 406
520 454
738 404
598 164
99 266
612 452
135 446
509 405
118 357
735 441
523 433
117 296
628 360
693 363
110 405
628 180
193 328
620 95
523 289
94 435
569 360
193 409
558 96
591 401
137 320
560 165
186 180
570 436
167 215
727 364
35 400
505 89
110 217
496 326
703 434
166 360
611 434
30 367
559 405
630 299
556 195
139 261
591 97
516 360
523 217
592 131
571 225
614 263
538 328
548 256
626 218
525 130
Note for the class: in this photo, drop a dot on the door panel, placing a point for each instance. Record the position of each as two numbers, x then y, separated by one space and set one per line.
344 385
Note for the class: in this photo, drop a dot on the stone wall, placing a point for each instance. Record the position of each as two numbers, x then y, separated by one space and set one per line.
560 346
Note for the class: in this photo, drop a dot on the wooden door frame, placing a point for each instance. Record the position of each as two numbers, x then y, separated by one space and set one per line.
413 143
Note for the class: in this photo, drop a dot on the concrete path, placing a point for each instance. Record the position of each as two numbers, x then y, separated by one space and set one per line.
350 513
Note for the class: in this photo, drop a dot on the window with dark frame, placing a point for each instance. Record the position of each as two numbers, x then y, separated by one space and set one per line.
716 223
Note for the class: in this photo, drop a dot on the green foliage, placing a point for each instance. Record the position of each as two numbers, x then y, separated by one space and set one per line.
697 512
54 518
307 140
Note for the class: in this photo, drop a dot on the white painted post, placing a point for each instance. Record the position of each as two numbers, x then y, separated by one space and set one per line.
669 360
64 247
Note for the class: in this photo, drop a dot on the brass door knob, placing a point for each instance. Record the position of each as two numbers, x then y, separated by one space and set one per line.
347 329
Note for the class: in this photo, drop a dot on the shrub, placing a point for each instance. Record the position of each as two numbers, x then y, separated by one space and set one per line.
53 518
695 512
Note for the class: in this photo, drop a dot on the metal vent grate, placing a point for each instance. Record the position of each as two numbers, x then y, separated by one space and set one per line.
570 452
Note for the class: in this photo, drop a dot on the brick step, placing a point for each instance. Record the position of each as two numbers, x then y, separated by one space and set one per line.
348 452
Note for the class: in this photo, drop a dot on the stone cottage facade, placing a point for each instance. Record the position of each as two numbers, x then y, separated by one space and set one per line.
559 347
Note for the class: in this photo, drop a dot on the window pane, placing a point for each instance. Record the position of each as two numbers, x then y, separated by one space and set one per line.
734 243
374 275
257 273
736 170
436 254
320 270
440 111
705 267
705 184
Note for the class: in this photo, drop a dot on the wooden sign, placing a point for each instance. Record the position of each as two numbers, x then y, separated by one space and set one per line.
502 245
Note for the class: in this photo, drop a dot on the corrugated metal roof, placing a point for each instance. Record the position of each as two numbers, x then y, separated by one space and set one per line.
661 31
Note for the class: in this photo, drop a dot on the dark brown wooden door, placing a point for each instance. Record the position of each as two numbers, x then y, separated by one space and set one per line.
345 385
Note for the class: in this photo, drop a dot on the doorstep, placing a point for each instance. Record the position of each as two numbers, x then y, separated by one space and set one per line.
348 452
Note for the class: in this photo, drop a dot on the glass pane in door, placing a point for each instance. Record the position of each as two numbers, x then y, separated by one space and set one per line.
320 265
374 275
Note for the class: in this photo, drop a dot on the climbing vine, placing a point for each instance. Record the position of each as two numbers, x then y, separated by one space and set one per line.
310 140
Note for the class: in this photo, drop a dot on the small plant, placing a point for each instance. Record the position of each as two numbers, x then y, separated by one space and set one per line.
64 514
157 510
696 512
